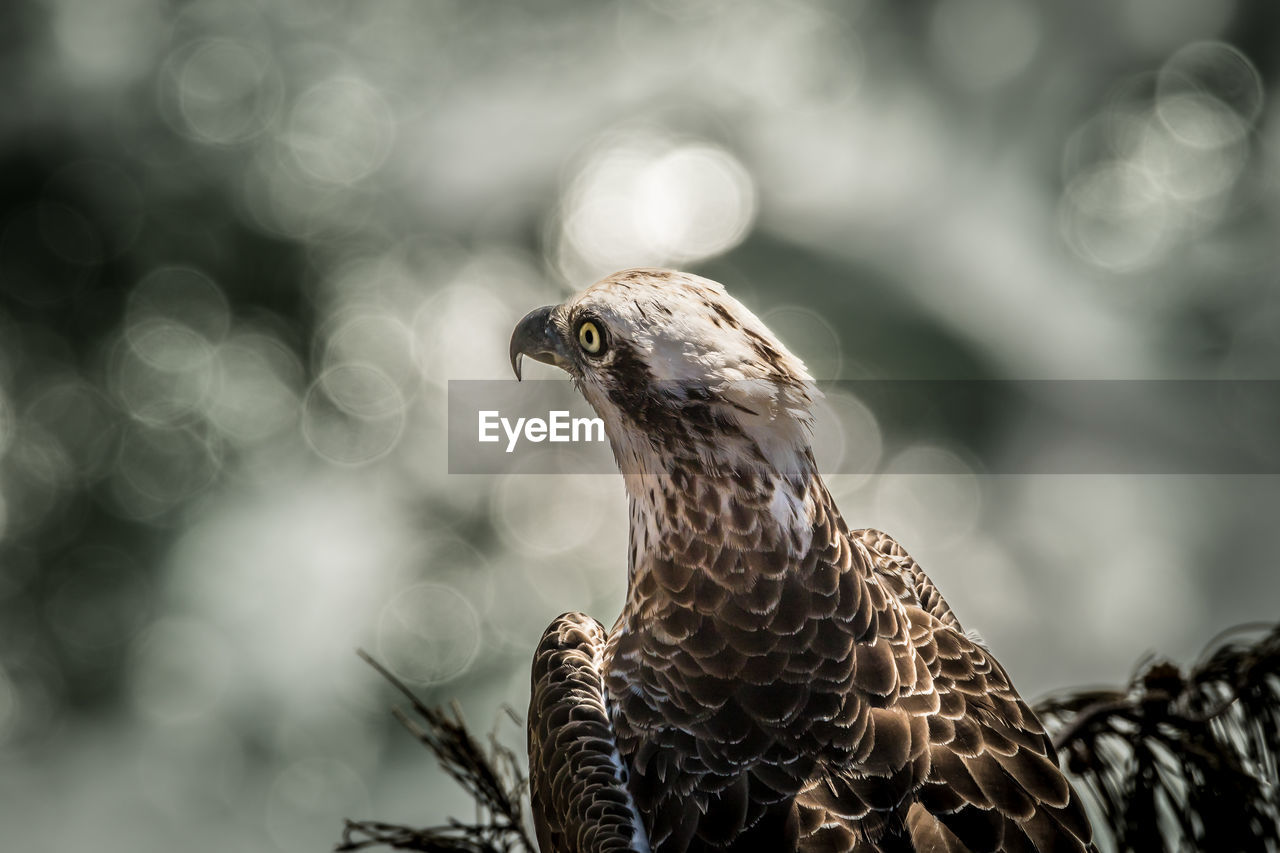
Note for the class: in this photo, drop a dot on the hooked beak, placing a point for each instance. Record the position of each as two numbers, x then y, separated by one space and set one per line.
536 336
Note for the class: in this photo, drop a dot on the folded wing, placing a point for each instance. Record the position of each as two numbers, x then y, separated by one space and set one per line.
577 782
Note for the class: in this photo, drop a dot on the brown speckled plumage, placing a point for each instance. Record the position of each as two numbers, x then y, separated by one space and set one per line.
775 681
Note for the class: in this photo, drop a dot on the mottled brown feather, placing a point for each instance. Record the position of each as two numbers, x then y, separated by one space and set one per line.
579 801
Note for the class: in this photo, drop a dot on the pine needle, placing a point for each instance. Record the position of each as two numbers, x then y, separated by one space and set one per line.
1182 760
493 779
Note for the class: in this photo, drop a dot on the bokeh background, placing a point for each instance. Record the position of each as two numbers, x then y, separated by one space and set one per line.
244 245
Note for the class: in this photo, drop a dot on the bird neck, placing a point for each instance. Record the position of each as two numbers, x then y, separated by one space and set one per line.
697 538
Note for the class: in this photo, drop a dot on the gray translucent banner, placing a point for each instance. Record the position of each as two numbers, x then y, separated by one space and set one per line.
1209 427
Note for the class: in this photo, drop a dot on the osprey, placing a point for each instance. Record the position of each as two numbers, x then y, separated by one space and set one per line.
776 681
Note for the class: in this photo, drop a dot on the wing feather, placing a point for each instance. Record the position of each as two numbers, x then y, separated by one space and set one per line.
991 781
942 754
577 781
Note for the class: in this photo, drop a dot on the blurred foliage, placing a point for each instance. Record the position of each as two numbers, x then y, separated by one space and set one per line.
244 245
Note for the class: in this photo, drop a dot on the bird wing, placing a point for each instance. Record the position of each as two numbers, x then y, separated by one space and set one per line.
991 781
994 780
578 784
889 557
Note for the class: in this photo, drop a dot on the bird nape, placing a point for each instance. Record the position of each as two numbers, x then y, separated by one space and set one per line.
777 681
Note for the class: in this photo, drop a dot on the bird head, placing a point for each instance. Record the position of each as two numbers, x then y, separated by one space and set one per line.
680 372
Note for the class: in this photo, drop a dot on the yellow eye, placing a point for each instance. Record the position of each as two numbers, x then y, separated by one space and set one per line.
589 338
